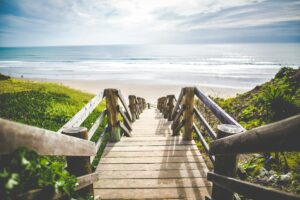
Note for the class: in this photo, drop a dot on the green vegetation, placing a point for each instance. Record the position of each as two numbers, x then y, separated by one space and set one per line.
24 170
267 103
49 106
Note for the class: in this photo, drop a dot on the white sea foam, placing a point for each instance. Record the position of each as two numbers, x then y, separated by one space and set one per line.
235 66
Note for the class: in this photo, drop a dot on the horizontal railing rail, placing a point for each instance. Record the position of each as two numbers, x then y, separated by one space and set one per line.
276 137
76 141
228 141
14 135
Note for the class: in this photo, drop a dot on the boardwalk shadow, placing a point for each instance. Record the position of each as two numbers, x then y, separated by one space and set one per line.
182 163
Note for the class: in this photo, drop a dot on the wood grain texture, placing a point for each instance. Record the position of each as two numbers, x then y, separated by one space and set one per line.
79 117
152 164
14 135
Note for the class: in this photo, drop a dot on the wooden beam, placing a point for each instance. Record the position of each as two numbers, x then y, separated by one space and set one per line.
225 165
126 120
86 180
204 143
177 104
279 136
126 131
14 135
188 117
125 105
96 124
200 117
170 106
79 117
112 114
79 165
217 110
177 117
249 190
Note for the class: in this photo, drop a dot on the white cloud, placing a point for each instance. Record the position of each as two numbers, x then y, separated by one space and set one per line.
139 21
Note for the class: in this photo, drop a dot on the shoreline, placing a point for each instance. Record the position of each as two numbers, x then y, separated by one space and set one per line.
150 91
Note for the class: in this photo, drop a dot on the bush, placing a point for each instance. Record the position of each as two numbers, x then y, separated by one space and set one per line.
24 170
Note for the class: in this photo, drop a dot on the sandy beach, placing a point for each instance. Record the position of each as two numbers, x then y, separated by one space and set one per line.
150 91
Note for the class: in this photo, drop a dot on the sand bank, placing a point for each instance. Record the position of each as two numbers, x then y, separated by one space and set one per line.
150 91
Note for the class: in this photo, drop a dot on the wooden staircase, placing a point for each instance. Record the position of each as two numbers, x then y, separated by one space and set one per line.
152 164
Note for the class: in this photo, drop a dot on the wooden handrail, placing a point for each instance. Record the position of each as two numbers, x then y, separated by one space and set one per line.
126 120
179 114
124 105
125 130
75 142
217 110
232 139
96 124
100 140
14 135
79 117
247 189
177 104
279 136
203 142
200 117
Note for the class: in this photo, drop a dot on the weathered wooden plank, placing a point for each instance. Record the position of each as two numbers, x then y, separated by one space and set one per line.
96 124
249 190
152 167
79 117
117 154
151 183
126 121
187 159
200 117
204 143
279 136
14 135
177 104
157 138
217 110
85 180
125 105
153 174
164 193
153 148
125 130
152 143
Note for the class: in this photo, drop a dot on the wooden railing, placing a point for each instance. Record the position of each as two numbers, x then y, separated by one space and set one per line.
228 141
73 141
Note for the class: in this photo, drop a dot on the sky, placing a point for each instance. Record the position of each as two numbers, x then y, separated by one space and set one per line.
105 22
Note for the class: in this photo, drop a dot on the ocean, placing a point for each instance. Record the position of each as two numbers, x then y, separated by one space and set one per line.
241 66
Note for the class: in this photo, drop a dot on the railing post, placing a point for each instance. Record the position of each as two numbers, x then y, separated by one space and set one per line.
144 103
139 102
188 114
170 106
79 165
112 114
132 107
225 165
164 107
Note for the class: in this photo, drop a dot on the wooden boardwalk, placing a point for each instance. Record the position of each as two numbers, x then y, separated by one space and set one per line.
152 164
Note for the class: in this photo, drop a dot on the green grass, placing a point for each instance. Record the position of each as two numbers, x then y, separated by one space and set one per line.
274 100
45 105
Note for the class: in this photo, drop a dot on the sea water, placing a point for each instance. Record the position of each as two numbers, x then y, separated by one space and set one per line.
218 65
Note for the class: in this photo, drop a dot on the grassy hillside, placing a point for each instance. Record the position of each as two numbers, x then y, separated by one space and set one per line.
266 103
45 105
269 102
